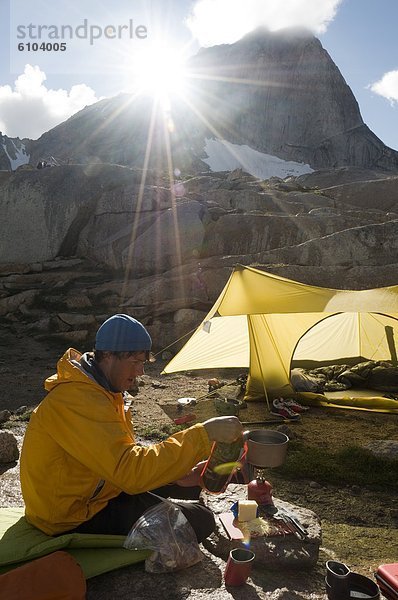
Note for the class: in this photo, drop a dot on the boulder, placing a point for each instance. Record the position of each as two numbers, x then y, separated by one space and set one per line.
8 447
76 320
165 334
60 263
106 235
10 304
201 184
249 234
159 288
384 448
363 193
71 337
372 245
248 199
189 317
40 324
49 203
330 177
276 552
78 302
4 415
58 324
174 237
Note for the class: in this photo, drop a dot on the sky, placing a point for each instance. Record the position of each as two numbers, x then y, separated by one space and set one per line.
57 57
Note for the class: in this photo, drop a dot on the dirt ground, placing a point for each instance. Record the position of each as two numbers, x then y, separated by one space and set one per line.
359 525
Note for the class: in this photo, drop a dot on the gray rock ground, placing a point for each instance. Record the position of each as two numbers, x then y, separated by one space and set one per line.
204 581
274 553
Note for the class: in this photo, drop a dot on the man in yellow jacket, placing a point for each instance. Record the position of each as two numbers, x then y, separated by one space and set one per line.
81 469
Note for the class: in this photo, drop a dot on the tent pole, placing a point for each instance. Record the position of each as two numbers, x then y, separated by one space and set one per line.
253 338
391 344
266 395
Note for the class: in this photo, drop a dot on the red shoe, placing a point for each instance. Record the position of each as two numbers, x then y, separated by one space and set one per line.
295 406
281 410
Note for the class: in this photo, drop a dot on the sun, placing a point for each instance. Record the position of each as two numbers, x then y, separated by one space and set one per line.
160 71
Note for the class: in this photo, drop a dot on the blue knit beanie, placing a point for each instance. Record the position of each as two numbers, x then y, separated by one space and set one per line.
122 333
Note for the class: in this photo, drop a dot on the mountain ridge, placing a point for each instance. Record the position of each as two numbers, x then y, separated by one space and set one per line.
279 93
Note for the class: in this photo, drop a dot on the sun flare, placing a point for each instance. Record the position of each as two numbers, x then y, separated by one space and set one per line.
160 72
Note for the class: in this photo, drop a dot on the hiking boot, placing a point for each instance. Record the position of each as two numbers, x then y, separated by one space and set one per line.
280 409
294 406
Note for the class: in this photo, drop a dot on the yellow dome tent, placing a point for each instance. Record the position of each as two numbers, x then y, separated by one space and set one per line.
263 321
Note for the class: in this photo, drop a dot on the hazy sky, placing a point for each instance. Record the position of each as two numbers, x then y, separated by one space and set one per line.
42 83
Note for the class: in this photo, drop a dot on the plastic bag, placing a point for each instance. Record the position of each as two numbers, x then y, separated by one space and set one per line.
164 529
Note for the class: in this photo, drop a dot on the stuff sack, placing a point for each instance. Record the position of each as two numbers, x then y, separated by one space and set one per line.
56 576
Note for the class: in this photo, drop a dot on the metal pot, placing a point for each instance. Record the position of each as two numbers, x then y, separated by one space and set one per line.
266 448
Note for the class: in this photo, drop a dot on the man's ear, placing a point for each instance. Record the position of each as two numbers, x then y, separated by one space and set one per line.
105 356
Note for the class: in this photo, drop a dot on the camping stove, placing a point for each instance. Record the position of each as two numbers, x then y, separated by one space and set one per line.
265 449
259 489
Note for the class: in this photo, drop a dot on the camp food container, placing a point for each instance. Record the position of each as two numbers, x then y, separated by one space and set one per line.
227 406
225 455
266 448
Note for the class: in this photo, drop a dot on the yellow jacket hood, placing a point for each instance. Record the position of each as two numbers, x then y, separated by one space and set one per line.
68 369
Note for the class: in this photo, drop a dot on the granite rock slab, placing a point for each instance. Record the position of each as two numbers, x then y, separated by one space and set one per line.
274 552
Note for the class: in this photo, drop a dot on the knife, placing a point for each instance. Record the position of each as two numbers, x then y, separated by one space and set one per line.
289 519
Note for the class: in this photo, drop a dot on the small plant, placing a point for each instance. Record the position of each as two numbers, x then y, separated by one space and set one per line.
24 416
15 420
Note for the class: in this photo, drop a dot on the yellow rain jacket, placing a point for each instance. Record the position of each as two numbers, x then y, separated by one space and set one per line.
79 451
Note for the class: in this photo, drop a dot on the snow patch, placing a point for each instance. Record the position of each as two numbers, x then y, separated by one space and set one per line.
225 156
22 158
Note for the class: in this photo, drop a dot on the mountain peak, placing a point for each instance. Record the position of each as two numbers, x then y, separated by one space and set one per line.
277 92
287 35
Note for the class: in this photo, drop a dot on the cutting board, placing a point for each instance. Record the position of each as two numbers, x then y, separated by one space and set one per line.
240 531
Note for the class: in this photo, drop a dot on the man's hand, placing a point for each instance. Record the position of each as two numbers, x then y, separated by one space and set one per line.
192 478
223 429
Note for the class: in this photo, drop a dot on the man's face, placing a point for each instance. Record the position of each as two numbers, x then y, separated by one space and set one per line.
123 372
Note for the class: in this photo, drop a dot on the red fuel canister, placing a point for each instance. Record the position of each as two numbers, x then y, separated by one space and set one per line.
260 491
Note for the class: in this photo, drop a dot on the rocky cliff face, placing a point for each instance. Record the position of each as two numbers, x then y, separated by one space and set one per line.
79 243
107 214
279 93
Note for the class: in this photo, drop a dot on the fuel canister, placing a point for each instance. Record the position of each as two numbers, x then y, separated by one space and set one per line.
260 491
